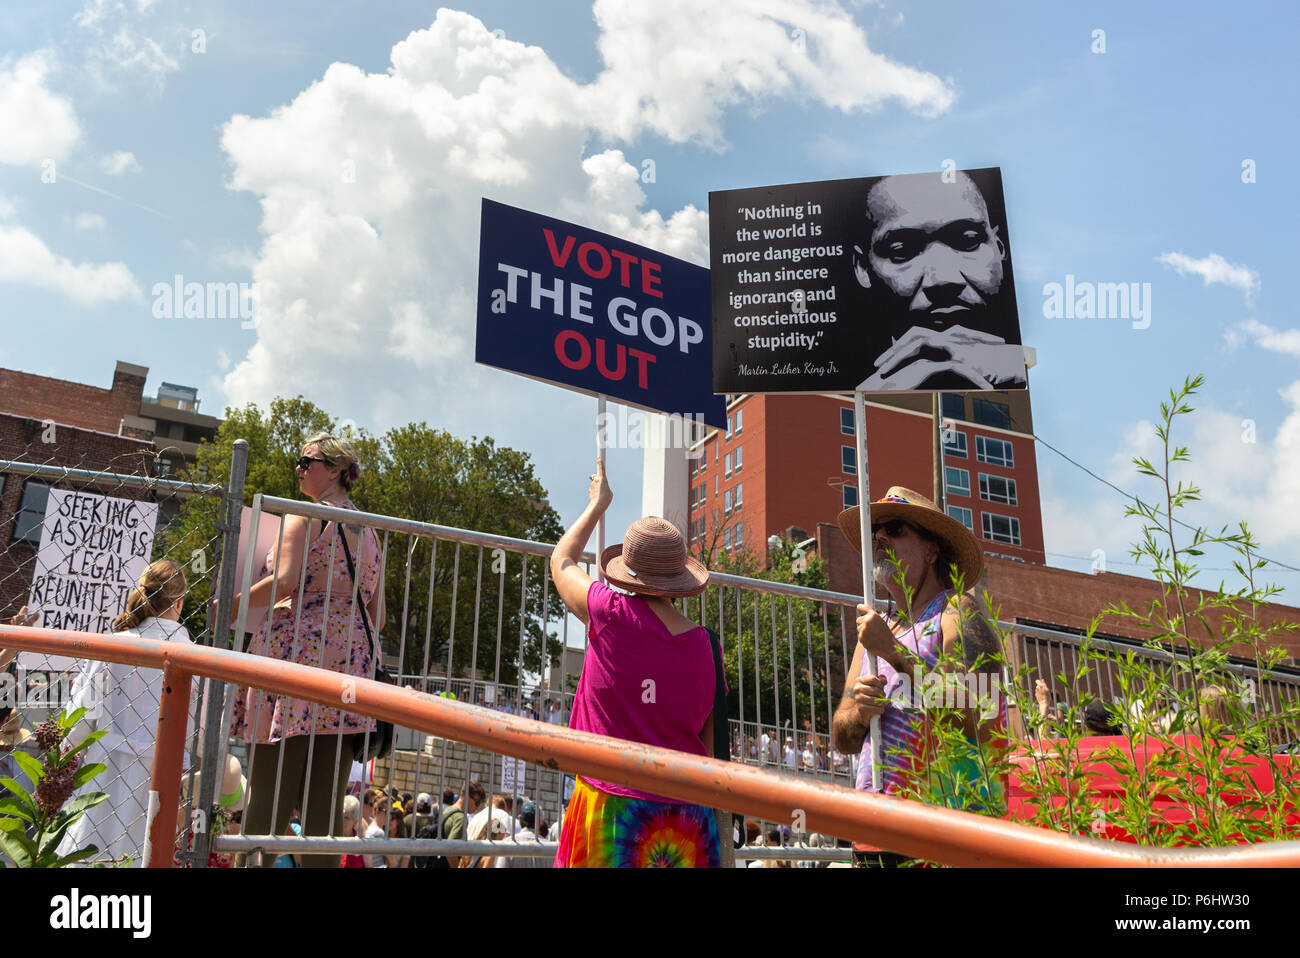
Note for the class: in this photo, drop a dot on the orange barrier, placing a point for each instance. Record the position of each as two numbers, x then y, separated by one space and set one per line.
937 834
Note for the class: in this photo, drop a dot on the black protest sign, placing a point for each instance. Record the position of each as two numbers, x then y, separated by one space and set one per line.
886 284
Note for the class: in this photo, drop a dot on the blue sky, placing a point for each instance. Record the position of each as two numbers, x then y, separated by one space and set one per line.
1119 166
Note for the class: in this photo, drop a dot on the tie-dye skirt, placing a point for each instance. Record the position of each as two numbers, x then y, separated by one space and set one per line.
601 830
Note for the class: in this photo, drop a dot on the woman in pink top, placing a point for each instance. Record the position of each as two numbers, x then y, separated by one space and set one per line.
648 676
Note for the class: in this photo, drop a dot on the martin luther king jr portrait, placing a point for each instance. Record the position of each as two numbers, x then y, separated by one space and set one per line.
933 265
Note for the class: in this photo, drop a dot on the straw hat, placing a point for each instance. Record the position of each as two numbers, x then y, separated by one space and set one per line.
903 503
652 560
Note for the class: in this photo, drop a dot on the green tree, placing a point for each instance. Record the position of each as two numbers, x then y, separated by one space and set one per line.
423 474
788 649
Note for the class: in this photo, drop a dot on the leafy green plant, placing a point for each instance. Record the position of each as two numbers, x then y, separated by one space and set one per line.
1193 727
32 824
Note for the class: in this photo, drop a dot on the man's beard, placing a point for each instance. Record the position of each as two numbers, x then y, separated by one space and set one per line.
884 573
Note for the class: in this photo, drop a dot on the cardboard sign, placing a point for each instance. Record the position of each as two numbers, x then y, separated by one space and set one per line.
588 311
93 551
266 539
885 284
513 771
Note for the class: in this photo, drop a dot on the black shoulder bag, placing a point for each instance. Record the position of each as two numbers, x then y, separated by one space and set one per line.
381 742
722 718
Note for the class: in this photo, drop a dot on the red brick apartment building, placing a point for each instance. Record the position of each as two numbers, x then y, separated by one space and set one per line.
791 462
79 426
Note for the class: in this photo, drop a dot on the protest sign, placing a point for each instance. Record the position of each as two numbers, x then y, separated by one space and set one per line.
897 283
513 771
588 311
93 550
266 540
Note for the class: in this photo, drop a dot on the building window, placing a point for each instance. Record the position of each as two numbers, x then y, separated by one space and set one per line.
846 421
954 443
956 481
726 464
728 427
850 496
849 460
952 406
31 512
726 538
1002 528
735 539
716 447
740 421
726 503
715 485
996 452
998 489
739 491
695 466
987 413
736 455
964 516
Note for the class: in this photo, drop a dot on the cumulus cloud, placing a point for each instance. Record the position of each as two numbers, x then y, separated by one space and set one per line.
1284 341
37 123
85 222
1214 269
370 184
673 67
26 260
119 162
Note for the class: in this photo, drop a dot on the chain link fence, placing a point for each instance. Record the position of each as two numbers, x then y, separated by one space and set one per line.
78 534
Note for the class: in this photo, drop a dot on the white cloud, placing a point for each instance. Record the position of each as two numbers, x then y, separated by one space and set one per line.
1214 269
1242 471
38 125
370 184
119 162
85 222
1284 341
672 67
121 42
26 260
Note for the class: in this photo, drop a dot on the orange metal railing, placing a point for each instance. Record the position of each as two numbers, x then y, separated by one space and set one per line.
937 834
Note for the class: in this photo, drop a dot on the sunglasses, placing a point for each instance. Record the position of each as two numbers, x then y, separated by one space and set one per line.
304 462
893 528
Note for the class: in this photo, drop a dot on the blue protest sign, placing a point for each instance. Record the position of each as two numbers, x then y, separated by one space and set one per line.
591 312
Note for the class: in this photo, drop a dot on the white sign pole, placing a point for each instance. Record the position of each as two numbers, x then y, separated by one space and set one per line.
600 454
868 586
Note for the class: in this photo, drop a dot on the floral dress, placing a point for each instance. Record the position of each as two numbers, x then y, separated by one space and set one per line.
334 639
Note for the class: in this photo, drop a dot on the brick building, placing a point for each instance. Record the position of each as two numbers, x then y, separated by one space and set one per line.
791 462
55 422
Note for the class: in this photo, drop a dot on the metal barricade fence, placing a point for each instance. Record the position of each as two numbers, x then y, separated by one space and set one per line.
474 616
72 555
1055 655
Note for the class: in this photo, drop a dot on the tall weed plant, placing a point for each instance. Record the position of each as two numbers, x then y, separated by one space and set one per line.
1204 756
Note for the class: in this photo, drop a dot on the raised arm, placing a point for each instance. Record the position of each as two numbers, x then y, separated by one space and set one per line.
570 581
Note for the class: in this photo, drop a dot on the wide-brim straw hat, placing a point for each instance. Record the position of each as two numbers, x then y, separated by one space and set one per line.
903 503
652 560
